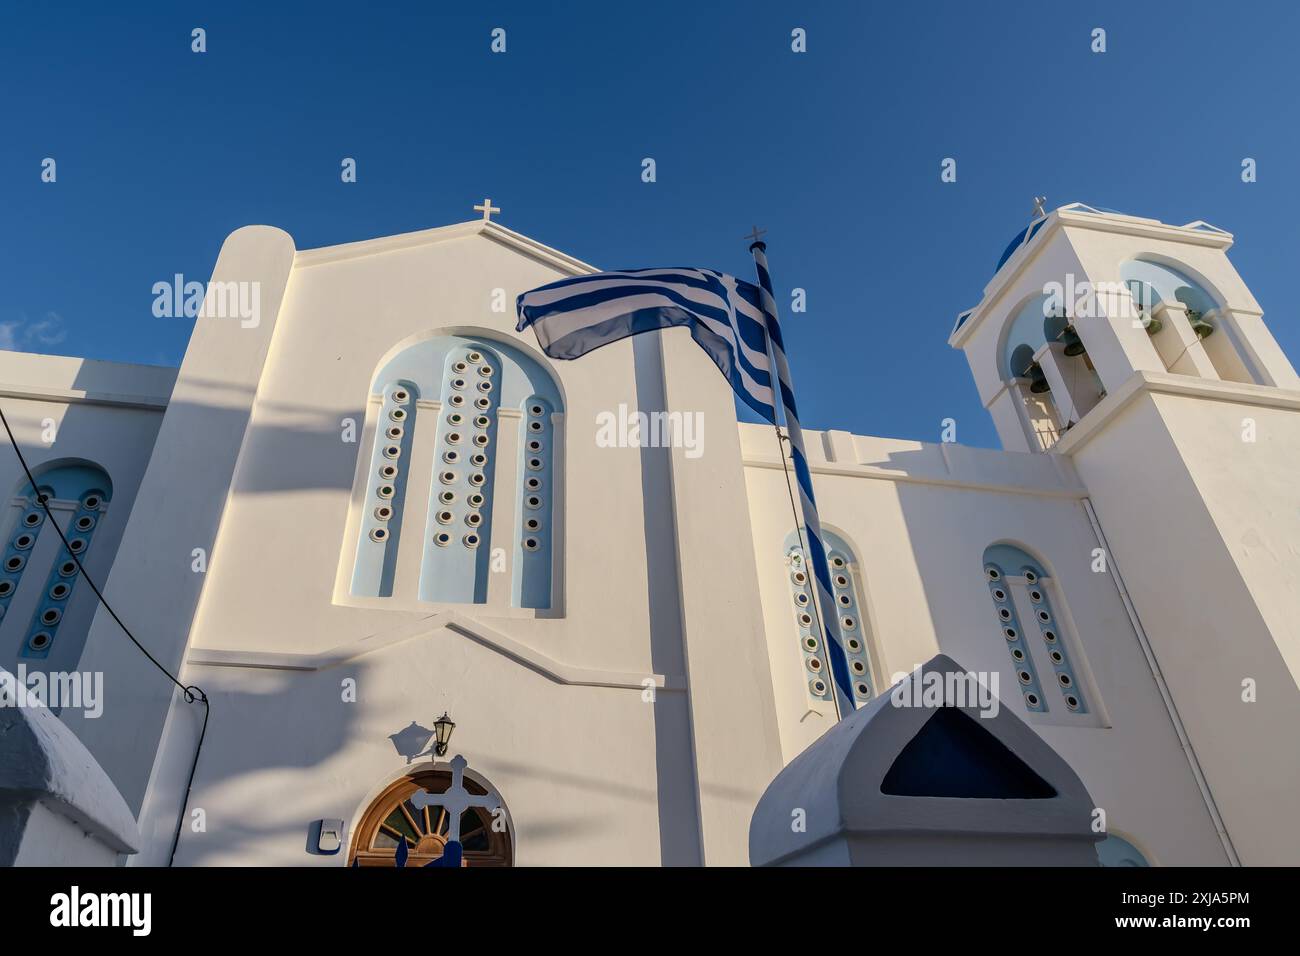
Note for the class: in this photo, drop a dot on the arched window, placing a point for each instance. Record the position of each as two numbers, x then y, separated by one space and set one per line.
394 817
1035 637
482 414
1152 284
845 579
39 574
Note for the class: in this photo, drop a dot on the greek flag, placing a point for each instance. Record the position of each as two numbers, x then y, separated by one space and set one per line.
572 317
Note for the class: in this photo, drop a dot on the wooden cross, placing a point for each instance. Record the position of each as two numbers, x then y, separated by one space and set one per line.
1039 211
456 800
756 235
487 209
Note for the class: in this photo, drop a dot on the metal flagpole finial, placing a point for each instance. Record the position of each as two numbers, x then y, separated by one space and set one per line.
1039 211
755 238
487 209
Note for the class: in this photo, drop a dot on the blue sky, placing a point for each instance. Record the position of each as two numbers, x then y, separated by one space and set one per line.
162 152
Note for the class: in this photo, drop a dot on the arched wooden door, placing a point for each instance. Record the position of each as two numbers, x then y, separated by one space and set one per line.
393 817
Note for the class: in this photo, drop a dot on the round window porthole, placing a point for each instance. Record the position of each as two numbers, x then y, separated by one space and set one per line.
1017 654
442 539
810 643
401 396
453 438
51 616
1030 576
1036 595
474 357
1071 701
818 687
473 519
993 573
531 544
533 484
481 440
1057 657
1044 616
24 541
485 371
445 517
814 664
68 568
805 620
393 451
799 578
1010 633
6 588
534 445
1049 637
451 456
841 581
485 386
837 562
395 433
478 459
92 502
32 518
863 690
383 513
535 410
15 563
858 667
482 421
534 464
457 400
845 600
471 540
475 500
1031 699
85 523
801 598
848 623
999 594
477 478
458 383
397 415
853 644
1004 613
447 497
483 402
386 491
533 501
447 477
535 426
532 524
39 641
388 471
459 367
455 418
1025 677
1064 680
379 534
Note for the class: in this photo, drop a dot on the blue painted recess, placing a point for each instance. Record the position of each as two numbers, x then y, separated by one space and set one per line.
534 532
844 586
386 484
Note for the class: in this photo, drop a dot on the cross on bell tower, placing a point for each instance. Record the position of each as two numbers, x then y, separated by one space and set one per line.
487 209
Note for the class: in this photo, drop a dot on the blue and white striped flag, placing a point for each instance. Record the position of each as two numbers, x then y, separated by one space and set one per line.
572 317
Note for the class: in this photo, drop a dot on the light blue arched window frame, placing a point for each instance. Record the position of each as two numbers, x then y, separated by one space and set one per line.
846 581
1034 635
78 493
477 391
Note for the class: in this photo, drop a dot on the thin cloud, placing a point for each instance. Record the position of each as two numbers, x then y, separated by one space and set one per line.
25 335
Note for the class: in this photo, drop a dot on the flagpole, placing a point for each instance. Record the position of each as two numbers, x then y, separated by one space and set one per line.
832 640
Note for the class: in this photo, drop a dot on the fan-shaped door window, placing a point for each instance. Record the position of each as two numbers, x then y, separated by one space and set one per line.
393 817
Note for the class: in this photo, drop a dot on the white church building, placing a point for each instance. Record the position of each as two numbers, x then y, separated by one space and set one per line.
364 501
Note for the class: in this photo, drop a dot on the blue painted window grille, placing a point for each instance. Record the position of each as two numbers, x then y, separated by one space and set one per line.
532 584
845 588
381 519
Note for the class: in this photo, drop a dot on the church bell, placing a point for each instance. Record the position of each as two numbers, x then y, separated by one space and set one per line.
1073 344
1202 328
1037 380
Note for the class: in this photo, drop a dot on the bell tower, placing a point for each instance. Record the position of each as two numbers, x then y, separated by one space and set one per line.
1134 349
